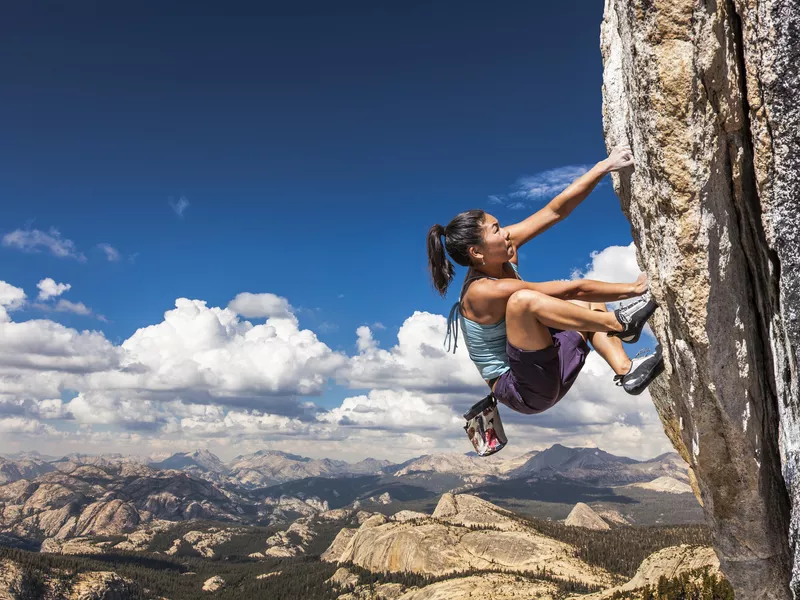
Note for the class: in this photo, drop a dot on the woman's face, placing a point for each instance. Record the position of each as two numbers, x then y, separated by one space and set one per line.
497 246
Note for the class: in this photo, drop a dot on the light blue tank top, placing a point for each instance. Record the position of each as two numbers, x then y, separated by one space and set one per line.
486 344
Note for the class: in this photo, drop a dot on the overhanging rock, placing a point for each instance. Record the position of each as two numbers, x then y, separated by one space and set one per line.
707 93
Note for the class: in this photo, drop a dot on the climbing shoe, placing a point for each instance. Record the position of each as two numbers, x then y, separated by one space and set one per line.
644 369
633 318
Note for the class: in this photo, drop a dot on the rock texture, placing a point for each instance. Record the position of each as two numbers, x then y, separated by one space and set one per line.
706 95
212 584
669 562
665 484
465 532
92 585
583 516
492 586
203 543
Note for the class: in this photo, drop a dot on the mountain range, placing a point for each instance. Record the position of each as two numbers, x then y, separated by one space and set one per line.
272 467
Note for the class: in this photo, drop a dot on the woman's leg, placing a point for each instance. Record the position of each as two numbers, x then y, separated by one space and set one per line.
610 348
529 314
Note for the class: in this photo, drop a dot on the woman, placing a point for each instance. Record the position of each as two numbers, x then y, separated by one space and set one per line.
529 340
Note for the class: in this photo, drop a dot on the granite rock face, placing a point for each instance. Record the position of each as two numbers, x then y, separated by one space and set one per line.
465 532
668 562
582 515
706 93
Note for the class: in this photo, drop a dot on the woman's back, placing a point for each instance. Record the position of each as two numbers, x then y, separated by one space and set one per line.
486 342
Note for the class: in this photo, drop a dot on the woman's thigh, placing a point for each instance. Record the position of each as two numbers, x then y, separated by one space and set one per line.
523 329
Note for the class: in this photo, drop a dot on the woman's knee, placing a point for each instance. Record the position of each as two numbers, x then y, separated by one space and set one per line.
524 301
599 306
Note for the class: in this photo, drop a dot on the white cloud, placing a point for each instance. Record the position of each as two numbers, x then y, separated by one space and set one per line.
254 306
23 425
541 186
11 298
548 183
417 362
48 288
180 205
78 308
52 408
395 410
211 351
43 345
616 264
205 375
112 254
32 240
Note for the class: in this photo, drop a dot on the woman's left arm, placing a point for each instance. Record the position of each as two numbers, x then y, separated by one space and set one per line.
563 204
590 290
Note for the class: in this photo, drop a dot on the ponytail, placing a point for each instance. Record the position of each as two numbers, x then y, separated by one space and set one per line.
442 270
463 232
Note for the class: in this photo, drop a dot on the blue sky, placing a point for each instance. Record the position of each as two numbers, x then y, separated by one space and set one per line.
302 151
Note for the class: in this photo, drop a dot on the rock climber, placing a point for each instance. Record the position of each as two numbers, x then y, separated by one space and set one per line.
529 339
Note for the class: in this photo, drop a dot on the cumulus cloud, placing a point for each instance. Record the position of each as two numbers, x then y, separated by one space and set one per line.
417 362
112 254
206 375
616 264
393 410
44 345
33 240
212 350
254 306
23 425
48 288
11 298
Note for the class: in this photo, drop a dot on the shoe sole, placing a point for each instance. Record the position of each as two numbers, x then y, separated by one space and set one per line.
659 368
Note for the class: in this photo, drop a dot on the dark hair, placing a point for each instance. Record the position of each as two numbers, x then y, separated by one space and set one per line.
465 230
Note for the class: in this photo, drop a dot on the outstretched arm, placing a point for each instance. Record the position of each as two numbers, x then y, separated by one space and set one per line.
563 204
576 289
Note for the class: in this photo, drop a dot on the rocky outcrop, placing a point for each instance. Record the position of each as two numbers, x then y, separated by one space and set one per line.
212 584
82 499
706 95
665 484
76 545
203 543
343 578
14 470
669 562
92 585
291 542
464 533
582 515
463 509
612 516
339 545
494 586
408 515
306 507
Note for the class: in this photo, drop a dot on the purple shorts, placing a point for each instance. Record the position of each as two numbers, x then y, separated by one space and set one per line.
538 379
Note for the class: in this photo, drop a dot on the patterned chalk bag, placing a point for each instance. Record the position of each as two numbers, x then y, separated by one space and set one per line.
484 427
